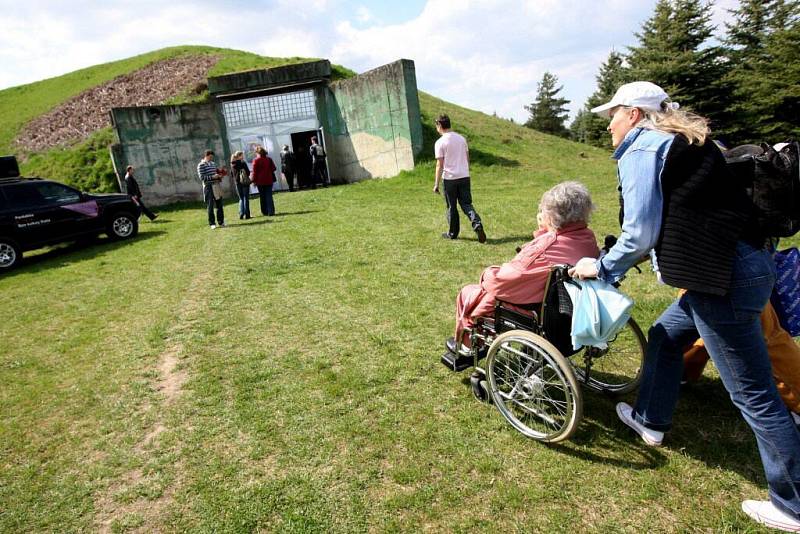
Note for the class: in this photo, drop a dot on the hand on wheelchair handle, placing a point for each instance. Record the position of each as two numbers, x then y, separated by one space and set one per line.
585 268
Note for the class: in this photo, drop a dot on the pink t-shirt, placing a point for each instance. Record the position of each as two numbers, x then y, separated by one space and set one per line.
453 148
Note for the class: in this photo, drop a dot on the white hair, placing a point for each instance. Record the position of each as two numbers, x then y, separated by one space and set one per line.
565 203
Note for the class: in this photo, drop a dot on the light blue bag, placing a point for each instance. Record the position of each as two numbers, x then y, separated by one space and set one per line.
599 312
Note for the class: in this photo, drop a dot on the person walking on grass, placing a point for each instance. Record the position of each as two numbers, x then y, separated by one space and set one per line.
452 166
212 193
679 201
241 177
132 188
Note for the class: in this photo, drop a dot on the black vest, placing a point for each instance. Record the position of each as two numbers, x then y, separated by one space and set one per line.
706 211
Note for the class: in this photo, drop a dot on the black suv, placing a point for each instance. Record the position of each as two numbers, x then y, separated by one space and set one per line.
35 213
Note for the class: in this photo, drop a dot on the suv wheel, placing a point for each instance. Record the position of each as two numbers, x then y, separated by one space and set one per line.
122 225
10 254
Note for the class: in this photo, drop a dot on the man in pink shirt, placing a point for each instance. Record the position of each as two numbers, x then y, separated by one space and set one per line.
452 165
563 237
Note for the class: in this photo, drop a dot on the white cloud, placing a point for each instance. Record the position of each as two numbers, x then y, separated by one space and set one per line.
485 54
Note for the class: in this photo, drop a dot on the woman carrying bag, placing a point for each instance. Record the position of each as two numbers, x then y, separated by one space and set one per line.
241 177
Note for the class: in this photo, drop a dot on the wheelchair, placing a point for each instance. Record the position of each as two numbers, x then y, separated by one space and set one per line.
533 375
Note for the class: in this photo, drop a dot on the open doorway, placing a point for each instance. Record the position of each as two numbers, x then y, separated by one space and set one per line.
301 143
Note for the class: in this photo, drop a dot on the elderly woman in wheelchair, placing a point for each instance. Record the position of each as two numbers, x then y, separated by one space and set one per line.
518 317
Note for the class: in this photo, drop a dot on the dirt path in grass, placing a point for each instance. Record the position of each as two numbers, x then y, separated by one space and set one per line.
125 500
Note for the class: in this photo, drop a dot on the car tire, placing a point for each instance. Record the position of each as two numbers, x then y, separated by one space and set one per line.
122 225
10 254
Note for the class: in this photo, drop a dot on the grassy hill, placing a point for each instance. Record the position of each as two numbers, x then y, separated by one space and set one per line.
282 374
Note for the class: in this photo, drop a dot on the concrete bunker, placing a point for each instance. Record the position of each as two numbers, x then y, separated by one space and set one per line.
369 125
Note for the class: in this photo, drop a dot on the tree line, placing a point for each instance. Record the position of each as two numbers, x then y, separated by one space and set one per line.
747 82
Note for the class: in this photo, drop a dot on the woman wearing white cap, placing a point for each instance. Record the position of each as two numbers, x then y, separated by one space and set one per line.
680 205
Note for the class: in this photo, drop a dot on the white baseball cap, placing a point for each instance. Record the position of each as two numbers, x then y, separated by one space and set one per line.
644 95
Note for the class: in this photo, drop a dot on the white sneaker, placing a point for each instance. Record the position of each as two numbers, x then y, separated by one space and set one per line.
796 418
213 226
651 437
764 512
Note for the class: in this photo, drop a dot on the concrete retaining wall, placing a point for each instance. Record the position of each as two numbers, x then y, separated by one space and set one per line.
372 122
165 144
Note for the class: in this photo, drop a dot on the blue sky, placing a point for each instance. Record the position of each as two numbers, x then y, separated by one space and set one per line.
483 54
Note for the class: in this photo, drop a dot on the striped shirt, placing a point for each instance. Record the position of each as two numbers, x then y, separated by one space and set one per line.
207 171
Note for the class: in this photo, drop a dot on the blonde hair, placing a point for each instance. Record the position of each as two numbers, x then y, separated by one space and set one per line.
565 203
677 121
236 155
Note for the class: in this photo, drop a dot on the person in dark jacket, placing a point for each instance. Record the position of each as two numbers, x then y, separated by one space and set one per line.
319 169
240 174
263 175
288 167
680 201
132 188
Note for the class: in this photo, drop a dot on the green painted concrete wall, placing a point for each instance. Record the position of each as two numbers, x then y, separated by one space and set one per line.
165 144
372 122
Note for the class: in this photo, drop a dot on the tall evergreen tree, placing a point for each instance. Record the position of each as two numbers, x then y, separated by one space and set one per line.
764 46
548 111
588 127
674 52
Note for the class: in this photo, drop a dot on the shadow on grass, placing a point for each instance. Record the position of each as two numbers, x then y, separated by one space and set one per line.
302 212
709 428
600 438
257 222
479 157
85 249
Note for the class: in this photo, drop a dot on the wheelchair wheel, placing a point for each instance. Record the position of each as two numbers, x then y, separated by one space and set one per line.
534 386
618 369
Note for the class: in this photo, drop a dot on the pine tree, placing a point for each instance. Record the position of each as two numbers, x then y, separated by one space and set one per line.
588 127
764 46
673 52
548 111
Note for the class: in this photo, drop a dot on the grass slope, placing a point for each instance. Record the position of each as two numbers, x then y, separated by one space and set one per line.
282 374
87 164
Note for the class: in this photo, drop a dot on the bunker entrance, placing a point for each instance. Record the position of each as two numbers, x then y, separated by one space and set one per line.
272 121
301 142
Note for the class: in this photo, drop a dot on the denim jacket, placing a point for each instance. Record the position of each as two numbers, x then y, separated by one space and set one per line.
640 161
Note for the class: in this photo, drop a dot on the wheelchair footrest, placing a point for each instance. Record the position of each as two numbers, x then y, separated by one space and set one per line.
456 362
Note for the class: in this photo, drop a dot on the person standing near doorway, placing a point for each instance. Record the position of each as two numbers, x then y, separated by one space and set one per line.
132 187
210 176
319 171
241 177
263 175
288 167
452 166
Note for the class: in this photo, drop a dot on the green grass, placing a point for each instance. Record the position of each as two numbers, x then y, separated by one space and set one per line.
87 164
310 396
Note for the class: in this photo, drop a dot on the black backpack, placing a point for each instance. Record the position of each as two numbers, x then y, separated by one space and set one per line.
772 180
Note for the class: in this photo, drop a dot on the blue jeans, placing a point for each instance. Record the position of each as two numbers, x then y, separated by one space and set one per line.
730 327
244 199
458 192
265 198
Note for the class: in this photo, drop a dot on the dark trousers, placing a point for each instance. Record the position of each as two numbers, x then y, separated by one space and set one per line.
211 203
265 198
289 174
320 172
138 200
458 192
